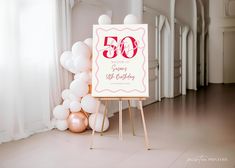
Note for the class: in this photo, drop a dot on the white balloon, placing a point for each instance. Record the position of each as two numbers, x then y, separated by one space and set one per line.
75 83
66 103
131 19
75 106
104 20
65 56
76 76
84 76
80 49
60 112
79 88
82 64
69 65
53 122
62 125
73 70
73 97
89 42
65 94
89 103
99 120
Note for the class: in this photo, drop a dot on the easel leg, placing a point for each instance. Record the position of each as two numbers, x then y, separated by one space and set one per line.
144 125
120 119
105 113
93 131
130 115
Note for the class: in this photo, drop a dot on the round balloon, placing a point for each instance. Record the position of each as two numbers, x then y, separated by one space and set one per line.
65 56
76 76
65 94
82 64
53 122
73 97
60 112
99 121
89 103
86 114
61 125
77 122
75 106
131 19
88 42
66 103
79 88
84 76
69 65
104 20
80 49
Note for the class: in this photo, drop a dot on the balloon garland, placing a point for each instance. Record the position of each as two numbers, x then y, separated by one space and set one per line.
78 105
76 112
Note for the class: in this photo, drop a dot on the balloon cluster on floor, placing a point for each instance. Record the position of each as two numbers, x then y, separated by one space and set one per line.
76 113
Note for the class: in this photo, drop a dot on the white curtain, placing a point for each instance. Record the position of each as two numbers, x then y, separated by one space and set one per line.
59 77
33 33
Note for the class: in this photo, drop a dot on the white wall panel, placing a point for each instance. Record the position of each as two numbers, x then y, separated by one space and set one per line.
218 23
229 56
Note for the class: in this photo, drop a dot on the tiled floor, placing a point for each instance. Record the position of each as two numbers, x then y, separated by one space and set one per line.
196 131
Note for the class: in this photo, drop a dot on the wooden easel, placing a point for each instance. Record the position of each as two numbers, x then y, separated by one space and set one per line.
120 118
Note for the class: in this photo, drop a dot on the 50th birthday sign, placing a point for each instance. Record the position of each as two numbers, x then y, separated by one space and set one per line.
120 61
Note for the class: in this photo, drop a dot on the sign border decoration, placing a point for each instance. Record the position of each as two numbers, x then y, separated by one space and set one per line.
120 92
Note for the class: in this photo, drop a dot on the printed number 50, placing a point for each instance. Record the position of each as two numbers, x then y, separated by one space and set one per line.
122 47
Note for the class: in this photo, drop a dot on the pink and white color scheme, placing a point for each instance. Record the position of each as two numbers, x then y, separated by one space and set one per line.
120 61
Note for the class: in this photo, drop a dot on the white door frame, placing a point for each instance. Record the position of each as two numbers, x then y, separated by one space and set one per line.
178 61
172 23
184 59
194 30
163 56
202 45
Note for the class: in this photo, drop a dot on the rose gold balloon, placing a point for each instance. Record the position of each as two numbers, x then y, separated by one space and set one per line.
77 122
86 113
90 88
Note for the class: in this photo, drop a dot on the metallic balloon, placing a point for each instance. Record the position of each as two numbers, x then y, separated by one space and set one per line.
77 122
86 113
90 89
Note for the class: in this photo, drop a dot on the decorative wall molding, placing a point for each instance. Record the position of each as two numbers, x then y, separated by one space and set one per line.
228 75
229 8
